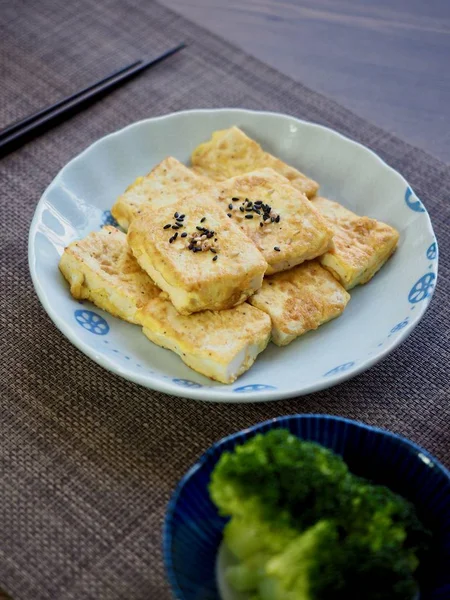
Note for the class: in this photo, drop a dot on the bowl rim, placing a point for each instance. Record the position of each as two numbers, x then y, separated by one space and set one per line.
167 529
218 393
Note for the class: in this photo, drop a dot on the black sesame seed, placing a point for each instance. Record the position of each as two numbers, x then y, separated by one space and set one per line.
182 216
276 249
184 234
272 219
229 214
199 228
261 224
215 258
209 235
191 246
203 219
175 227
230 206
175 235
213 250
176 215
277 219
249 203
249 216
167 226
266 217
241 208
249 209
258 212
258 203
235 199
171 240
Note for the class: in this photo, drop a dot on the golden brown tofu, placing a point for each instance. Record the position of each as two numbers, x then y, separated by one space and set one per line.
167 183
300 300
230 152
361 245
221 345
102 269
197 255
280 220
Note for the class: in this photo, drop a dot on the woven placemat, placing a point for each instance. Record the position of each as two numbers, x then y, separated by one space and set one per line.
88 460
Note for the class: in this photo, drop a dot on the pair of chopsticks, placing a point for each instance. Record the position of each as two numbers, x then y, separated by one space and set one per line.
16 134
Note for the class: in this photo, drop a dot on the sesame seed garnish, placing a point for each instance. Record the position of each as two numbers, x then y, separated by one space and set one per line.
249 216
199 228
203 219
182 216
184 234
276 248
261 224
241 208
175 227
258 212
229 214
266 217
167 226
213 250
176 215
215 258
272 219
234 199
277 219
230 206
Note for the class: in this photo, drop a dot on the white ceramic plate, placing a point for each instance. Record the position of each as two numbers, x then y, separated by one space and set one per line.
378 318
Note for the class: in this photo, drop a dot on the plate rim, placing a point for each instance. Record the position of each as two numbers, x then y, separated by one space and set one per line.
218 394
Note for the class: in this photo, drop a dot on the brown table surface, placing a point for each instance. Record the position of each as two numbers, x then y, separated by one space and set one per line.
386 60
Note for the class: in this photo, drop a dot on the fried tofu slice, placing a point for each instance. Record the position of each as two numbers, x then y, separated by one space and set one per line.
197 255
231 152
221 345
300 300
361 245
102 269
167 183
278 218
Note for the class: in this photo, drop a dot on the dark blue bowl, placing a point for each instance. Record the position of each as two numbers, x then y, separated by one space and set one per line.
193 529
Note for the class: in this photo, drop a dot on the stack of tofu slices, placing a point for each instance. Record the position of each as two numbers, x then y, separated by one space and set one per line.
222 257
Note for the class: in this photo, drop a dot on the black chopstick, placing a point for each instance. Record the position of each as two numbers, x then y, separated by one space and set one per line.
57 113
41 113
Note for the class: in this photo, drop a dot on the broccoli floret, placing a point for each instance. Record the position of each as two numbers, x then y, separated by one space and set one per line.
279 478
304 528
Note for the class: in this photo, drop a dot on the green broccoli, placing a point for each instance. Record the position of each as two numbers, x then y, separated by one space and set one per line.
304 528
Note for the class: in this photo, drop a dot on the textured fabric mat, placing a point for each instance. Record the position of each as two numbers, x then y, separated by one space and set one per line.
88 460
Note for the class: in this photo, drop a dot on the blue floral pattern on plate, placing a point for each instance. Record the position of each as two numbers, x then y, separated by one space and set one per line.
108 219
254 387
187 383
400 325
413 202
91 321
432 251
422 289
340 369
